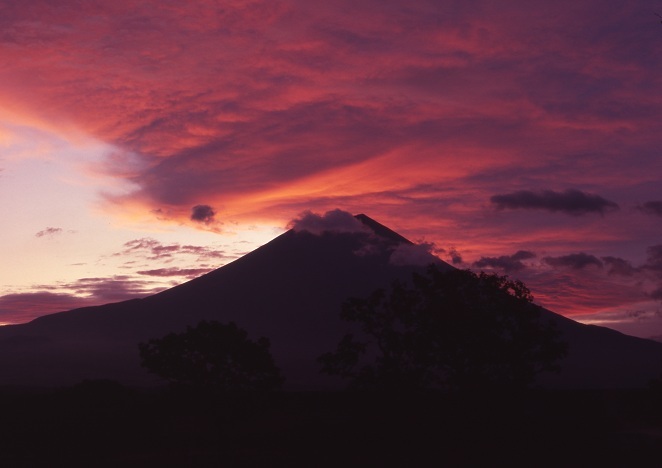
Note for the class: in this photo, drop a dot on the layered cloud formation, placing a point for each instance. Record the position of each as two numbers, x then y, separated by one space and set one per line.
256 104
472 125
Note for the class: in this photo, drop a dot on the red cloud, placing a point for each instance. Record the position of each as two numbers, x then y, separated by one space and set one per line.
412 112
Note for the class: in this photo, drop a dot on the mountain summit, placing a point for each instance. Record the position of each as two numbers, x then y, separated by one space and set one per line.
290 290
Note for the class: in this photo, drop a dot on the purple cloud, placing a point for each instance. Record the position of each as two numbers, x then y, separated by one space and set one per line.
203 214
189 273
571 201
652 207
112 289
576 261
619 266
155 250
455 256
23 307
509 263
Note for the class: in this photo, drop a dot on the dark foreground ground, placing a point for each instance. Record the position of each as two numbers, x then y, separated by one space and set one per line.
98 424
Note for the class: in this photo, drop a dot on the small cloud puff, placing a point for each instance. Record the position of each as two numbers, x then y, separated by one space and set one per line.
203 214
332 221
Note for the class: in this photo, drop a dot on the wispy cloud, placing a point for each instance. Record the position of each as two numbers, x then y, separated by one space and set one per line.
152 249
585 285
112 289
50 231
189 273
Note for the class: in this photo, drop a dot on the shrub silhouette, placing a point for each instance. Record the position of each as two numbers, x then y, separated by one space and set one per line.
212 355
454 330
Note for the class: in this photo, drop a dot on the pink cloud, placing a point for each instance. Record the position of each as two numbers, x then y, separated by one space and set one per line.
252 124
414 112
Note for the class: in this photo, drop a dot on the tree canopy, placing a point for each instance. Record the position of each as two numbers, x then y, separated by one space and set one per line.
447 329
212 355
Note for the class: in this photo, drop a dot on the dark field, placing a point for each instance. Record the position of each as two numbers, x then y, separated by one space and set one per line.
104 424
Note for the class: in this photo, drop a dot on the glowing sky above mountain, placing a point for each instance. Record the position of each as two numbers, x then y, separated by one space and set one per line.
143 143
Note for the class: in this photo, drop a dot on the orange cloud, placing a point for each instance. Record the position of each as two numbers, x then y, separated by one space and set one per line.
415 112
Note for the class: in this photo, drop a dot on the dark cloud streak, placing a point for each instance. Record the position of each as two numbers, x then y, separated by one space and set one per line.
577 261
571 201
652 208
189 273
50 231
619 266
509 263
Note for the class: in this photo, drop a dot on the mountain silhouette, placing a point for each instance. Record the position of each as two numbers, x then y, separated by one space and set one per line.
290 290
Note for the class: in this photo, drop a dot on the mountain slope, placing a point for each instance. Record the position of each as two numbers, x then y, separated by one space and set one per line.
289 290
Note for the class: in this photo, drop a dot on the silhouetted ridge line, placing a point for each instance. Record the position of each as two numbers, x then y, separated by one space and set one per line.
290 290
381 230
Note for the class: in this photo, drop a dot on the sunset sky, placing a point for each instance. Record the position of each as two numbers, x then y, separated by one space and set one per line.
144 143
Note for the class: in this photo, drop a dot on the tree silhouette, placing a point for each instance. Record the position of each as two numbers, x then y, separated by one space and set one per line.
214 356
453 329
